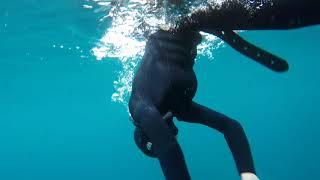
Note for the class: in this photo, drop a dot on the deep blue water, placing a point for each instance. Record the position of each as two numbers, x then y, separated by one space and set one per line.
57 120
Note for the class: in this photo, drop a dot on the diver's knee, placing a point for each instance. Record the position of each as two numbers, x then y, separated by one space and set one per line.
153 147
143 142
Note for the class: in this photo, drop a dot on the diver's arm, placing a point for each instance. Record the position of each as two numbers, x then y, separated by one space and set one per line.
259 15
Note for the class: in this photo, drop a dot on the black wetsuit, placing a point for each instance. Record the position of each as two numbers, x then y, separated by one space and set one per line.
165 81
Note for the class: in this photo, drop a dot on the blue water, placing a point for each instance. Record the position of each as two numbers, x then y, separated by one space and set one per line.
57 120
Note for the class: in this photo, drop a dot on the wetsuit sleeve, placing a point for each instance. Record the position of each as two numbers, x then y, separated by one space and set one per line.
255 15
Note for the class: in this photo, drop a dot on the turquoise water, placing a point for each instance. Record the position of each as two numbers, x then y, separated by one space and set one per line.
57 120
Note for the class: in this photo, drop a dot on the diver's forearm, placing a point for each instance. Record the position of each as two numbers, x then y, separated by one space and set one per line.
259 15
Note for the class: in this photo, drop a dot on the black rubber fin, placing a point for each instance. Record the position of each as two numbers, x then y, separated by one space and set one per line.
259 55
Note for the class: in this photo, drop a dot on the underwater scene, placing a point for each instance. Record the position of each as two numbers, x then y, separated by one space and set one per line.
66 72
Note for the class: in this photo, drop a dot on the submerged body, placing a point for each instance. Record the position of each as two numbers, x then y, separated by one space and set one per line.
165 81
172 72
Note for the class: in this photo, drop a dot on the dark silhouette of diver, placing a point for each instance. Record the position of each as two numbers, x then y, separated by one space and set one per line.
165 83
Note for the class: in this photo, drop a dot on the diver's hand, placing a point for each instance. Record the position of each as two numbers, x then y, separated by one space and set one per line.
248 176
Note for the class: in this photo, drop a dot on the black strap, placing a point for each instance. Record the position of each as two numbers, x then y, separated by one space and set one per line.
257 54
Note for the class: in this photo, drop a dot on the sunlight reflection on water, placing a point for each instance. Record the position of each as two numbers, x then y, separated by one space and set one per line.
125 39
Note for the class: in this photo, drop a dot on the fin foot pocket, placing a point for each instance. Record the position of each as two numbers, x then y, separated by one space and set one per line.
257 54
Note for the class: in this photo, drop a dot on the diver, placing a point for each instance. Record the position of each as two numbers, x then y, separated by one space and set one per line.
165 82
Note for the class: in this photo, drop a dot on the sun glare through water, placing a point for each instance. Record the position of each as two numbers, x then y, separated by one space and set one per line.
131 23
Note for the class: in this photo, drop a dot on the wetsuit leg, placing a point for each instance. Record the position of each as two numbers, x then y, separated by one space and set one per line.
255 15
165 144
231 129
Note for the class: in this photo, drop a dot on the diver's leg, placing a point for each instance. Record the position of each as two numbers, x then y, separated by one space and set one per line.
231 129
254 15
165 144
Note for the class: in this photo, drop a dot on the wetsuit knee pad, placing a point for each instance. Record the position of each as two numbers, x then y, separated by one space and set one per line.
144 143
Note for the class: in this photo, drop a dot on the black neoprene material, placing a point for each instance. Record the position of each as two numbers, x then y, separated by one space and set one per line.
258 15
165 80
255 53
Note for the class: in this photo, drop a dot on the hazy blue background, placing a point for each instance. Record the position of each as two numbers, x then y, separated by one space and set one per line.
57 120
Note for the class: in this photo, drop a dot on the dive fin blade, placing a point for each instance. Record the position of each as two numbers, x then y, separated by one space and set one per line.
259 55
